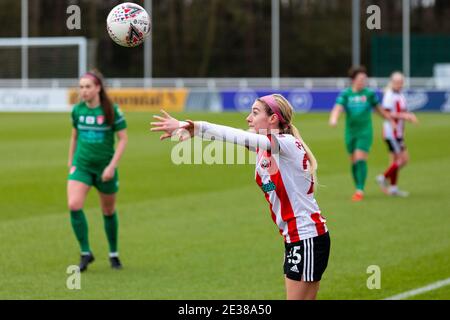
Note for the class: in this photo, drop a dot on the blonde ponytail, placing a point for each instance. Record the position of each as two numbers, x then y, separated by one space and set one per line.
287 112
313 165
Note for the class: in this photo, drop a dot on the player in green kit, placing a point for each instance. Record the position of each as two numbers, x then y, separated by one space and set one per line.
358 101
93 162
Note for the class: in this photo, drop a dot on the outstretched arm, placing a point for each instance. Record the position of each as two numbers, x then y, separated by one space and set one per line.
383 113
205 130
407 116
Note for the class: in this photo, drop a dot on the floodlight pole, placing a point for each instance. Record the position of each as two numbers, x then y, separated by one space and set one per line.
148 48
356 52
275 43
24 34
406 41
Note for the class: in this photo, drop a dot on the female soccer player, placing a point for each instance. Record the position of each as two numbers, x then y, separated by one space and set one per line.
394 102
285 168
357 101
93 162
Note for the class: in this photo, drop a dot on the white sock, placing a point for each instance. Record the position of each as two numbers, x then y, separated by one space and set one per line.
113 254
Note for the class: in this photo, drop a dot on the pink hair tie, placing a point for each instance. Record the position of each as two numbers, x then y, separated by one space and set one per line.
273 105
91 76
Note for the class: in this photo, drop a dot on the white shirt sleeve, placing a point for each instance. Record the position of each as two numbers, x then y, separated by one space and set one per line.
253 141
388 100
289 146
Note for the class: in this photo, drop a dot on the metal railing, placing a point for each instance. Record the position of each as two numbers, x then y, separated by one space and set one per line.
226 83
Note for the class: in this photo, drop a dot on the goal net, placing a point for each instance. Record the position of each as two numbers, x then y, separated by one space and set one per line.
40 58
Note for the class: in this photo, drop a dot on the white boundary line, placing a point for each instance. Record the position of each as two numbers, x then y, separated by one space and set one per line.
415 292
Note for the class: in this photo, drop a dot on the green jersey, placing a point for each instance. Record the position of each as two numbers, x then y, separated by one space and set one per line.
95 141
358 108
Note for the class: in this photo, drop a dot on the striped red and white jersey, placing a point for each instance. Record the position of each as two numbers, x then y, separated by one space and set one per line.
288 186
395 102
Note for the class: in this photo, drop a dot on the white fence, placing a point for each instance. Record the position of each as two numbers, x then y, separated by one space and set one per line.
225 83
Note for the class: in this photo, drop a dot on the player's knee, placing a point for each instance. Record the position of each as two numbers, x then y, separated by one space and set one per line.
108 210
405 159
75 205
359 157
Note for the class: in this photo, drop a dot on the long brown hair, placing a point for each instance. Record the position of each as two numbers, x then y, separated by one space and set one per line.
105 102
355 70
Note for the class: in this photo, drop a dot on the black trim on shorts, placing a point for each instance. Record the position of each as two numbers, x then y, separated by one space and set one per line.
395 145
306 260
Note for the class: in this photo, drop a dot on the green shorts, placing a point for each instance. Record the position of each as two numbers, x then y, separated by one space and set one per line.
93 177
358 142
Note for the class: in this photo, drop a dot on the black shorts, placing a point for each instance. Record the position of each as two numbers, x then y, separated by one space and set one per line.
307 260
395 145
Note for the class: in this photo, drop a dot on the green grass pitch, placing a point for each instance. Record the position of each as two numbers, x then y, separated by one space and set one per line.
204 231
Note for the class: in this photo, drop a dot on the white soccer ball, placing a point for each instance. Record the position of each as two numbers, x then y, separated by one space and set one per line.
128 24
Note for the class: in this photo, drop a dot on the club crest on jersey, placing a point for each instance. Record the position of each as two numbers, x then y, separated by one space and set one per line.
100 120
81 119
265 163
90 119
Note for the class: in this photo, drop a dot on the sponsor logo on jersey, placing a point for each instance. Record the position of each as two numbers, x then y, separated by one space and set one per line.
90 119
72 169
100 119
358 99
267 187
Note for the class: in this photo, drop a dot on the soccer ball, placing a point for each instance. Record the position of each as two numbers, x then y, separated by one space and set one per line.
128 24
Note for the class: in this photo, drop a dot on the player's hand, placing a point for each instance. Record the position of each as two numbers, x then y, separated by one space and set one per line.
332 122
108 173
412 118
393 124
171 126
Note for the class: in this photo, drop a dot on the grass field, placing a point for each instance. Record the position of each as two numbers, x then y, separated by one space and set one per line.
204 231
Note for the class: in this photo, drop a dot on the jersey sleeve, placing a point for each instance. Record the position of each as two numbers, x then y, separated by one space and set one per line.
252 141
373 99
119 119
74 117
342 99
287 145
388 101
